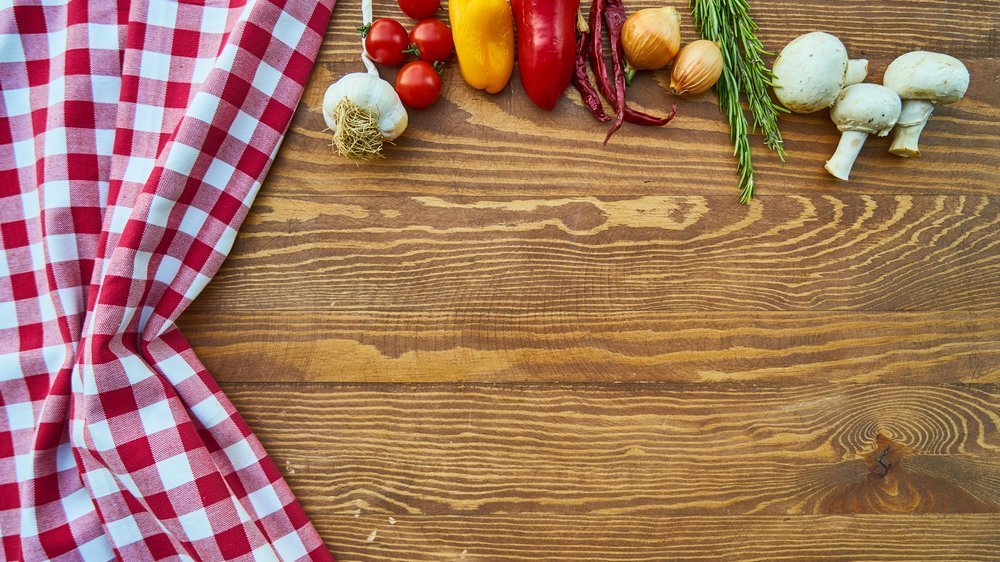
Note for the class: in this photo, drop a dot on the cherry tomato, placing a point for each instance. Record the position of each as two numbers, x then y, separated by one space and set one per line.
418 84
432 40
386 40
419 9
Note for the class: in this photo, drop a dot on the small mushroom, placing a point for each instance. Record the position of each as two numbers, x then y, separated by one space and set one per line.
922 79
812 69
860 110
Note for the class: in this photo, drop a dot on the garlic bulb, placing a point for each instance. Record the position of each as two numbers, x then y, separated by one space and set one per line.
361 109
650 39
697 68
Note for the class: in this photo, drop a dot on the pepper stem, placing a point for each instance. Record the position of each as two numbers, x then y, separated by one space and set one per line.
366 22
629 74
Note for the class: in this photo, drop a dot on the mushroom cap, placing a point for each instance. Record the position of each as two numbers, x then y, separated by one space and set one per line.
809 72
867 108
923 75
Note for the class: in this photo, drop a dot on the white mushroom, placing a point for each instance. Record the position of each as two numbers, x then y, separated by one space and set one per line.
812 69
923 79
860 110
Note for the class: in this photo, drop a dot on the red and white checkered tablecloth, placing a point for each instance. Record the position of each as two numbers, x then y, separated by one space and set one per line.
133 139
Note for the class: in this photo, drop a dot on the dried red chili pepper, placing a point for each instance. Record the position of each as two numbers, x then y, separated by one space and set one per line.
581 80
597 9
614 18
597 51
640 118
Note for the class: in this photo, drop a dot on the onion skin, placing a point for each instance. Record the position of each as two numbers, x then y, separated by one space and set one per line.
697 68
652 37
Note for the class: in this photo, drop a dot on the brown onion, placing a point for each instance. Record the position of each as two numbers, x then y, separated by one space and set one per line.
651 38
697 68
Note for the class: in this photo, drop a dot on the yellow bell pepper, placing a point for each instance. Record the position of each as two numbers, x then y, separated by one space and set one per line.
483 31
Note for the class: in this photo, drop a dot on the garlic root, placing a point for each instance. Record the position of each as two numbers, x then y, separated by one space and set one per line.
357 135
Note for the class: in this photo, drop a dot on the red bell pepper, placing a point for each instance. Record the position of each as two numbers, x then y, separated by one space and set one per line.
546 47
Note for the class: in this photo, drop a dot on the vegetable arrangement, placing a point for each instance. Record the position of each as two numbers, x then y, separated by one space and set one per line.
363 111
813 72
558 46
612 13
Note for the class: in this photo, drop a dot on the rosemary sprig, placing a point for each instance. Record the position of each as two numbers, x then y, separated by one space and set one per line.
728 23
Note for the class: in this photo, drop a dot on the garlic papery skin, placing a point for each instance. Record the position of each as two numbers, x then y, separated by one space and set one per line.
363 111
370 91
651 38
697 68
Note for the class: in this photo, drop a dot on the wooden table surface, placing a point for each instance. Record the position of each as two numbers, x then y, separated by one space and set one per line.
507 342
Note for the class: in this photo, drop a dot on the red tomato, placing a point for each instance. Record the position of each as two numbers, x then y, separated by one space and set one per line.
432 39
386 41
419 9
418 84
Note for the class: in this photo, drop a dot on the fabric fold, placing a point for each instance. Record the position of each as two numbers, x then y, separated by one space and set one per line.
133 140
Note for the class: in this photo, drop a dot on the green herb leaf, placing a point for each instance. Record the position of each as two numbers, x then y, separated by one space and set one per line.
728 22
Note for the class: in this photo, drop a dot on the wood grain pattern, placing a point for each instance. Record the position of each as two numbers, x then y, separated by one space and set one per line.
614 538
823 365
632 449
493 346
611 255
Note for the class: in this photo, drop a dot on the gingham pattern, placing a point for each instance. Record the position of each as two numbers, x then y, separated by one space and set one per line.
133 139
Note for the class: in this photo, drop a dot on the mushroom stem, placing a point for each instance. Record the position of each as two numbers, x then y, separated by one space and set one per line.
911 123
857 71
839 165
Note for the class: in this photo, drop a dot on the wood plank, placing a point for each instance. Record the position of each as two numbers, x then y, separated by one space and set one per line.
613 538
613 255
493 346
473 143
612 450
